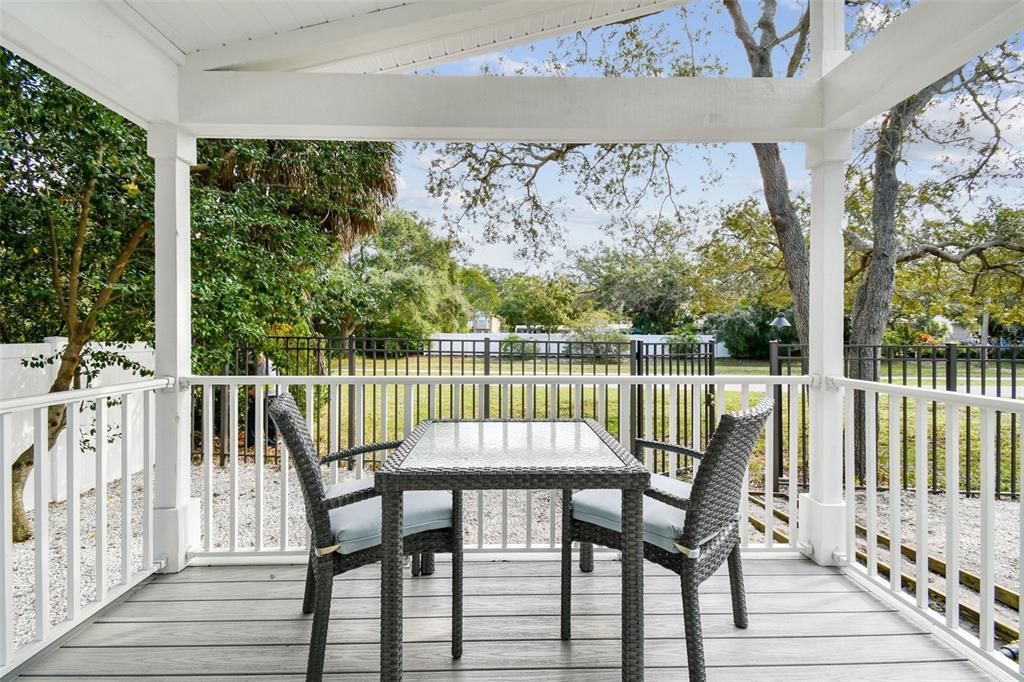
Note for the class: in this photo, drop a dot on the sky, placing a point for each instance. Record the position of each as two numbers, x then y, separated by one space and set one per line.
736 164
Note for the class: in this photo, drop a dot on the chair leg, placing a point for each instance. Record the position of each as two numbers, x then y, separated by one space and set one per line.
416 565
566 565
321 618
307 599
739 598
694 637
586 557
427 563
456 573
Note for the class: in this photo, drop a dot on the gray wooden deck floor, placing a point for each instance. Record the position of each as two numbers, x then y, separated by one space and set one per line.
231 623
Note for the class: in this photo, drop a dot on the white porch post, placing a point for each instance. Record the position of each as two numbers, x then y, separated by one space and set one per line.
823 510
176 514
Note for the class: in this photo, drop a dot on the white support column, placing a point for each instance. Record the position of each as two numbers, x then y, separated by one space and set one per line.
822 525
823 509
175 514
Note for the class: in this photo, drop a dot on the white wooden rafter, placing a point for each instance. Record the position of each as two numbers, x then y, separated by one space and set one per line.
926 42
409 36
348 106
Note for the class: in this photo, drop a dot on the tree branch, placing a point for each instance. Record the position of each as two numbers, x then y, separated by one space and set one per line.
58 288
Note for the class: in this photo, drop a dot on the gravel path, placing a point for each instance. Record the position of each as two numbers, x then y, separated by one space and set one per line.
1006 533
23 557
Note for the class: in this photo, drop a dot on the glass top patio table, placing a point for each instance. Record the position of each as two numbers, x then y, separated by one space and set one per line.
486 444
493 455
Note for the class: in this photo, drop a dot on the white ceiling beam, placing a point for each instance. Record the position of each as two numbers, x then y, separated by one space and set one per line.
387 107
928 41
92 49
325 46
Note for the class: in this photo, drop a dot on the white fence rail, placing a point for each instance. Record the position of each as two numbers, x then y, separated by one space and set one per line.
240 481
939 520
72 577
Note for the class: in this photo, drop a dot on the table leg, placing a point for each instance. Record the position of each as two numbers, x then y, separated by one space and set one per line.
391 587
632 586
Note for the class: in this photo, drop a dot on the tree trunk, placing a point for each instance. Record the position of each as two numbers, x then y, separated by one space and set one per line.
56 420
788 230
873 300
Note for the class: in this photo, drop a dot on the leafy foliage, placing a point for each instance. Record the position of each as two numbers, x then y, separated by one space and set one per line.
643 275
746 331
401 282
532 301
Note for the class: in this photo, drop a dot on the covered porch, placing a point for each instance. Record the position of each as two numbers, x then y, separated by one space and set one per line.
807 622
814 612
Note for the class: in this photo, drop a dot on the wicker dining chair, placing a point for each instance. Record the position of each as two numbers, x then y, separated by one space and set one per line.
345 524
690 529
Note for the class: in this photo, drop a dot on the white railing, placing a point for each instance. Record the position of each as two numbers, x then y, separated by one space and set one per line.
245 514
35 614
947 414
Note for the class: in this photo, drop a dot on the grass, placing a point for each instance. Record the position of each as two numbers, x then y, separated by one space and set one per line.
386 406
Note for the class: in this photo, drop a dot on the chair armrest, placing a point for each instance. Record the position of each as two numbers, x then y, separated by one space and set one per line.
351 453
349 498
668 498
668 447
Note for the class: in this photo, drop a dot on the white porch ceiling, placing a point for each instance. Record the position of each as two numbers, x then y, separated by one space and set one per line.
228 68
360 36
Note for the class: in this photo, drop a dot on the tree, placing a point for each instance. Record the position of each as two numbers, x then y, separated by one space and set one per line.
746 331
622 177
77 205
532 301
479 290
400 282
76 218
643 274
978 85
270 217
740 263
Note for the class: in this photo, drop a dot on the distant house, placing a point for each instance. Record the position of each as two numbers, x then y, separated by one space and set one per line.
484 323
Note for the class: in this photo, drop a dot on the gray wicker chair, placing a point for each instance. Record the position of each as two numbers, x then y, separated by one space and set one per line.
689 529
344 517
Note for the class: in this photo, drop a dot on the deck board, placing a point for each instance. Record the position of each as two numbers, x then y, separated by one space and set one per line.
226 623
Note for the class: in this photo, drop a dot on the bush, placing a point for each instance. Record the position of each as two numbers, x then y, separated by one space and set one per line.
514 346
600 344
746 331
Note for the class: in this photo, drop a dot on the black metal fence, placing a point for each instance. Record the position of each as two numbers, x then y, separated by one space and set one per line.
487 357
984 370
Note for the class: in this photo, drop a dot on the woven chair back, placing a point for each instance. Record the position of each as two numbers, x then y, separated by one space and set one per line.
718 485
292 426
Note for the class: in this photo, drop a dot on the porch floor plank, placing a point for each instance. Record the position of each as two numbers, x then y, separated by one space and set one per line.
229 623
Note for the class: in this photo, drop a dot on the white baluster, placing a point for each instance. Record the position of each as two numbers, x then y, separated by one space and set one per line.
41 530
208 467
895 496
871 481
100 492
953 516
148 453
126 491
73 508
920 502
233 468
986 595
6 541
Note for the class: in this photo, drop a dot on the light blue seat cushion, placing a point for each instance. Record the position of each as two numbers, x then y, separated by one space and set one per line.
663 523
357 526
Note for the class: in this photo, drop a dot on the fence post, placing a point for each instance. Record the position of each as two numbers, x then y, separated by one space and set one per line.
486 398
775 369
636 407
351 352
